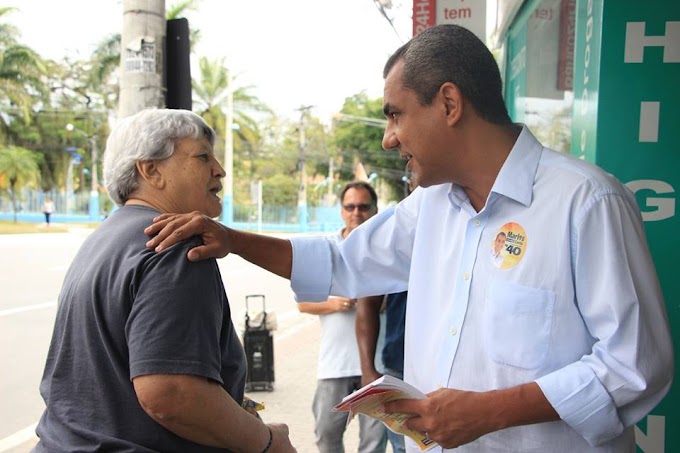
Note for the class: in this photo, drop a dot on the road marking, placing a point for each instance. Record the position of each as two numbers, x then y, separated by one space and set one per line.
294 329
25 435
14 311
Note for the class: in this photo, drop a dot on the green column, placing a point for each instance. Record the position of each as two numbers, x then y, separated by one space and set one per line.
516 71
626 119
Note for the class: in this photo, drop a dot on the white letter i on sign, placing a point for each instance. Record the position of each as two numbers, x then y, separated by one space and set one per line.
649 122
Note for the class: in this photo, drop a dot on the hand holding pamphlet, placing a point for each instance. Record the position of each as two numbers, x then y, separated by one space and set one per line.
368 400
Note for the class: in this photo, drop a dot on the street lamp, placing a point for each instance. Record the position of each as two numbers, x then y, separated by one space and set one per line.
73 159
94 187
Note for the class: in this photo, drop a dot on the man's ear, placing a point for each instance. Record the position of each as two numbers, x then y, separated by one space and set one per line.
452 100
150 173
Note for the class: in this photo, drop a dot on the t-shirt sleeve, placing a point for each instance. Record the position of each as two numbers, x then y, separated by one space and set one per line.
176 316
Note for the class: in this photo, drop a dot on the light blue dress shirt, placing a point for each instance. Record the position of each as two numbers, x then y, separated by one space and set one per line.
575 305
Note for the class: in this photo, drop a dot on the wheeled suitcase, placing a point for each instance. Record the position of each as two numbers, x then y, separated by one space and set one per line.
258 342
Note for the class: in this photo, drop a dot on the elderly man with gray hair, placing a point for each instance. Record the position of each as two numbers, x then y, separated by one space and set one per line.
144 356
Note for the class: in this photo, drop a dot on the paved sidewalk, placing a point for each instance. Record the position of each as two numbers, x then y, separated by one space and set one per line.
295 359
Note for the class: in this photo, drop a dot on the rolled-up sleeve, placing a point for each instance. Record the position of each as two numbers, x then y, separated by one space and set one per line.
582 402
630 368
311 272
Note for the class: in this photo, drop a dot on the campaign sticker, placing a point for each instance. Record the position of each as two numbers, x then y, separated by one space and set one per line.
508 245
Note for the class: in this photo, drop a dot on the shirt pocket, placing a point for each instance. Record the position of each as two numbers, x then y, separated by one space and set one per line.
518 324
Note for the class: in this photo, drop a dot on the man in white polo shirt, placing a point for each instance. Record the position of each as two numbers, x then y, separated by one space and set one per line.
339 367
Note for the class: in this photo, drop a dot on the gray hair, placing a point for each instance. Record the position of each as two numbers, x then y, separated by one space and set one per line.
147 135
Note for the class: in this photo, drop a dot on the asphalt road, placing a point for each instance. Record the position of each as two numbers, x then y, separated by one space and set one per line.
32 268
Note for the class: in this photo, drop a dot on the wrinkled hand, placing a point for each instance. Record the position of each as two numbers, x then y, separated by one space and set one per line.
172 228
342 303
449 417
280 440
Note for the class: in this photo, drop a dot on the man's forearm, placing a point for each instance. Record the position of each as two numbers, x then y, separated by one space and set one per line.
367 326
267 252
200 411
521 405
456 417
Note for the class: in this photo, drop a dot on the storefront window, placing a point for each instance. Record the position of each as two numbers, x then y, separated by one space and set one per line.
539 72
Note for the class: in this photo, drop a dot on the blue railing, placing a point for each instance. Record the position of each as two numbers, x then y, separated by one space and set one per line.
75 209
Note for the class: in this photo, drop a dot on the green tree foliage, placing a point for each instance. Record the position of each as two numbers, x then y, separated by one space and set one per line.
18 168
25 90
278 164
21 70
358 140
39 97
211 90
179 10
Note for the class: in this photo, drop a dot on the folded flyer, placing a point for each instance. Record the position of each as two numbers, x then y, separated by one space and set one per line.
368 400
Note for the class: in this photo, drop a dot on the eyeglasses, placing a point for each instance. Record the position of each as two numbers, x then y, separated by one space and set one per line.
360 207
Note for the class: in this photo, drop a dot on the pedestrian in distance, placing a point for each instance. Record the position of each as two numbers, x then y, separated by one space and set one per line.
144 355
566 345
48 209
339 368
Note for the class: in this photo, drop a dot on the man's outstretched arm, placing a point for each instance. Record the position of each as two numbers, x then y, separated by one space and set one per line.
270 253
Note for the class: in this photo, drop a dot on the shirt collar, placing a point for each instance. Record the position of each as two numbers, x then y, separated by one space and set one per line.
517 175
515 180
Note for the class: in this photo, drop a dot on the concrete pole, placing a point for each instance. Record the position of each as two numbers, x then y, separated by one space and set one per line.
228 187
69 186
303 213
331 183
94 189
142 56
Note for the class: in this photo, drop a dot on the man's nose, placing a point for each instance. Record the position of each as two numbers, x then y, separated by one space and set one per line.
389 140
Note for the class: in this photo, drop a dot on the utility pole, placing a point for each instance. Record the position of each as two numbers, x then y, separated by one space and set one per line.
329 196
228 194
303 213
94 178
142 56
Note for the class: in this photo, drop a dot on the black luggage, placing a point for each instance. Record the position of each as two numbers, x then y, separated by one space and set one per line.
258 342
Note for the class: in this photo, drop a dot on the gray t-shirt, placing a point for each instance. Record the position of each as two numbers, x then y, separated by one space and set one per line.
126 311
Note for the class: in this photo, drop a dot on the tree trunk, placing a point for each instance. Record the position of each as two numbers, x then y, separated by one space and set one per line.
12 186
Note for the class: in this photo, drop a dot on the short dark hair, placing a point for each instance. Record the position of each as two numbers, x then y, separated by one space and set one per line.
451 53
360 185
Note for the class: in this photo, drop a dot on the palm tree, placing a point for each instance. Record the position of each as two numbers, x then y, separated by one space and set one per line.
21 70
211 90
18 167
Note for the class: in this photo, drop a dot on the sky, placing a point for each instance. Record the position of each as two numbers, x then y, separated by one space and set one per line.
293 52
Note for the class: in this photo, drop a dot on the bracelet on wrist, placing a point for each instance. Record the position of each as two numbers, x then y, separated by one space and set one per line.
269 444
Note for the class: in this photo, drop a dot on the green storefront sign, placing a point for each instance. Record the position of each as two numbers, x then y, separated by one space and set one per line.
626 119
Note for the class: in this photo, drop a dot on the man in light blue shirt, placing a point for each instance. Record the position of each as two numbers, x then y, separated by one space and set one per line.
561 345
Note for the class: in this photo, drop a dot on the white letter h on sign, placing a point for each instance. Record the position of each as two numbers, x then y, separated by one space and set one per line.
636 41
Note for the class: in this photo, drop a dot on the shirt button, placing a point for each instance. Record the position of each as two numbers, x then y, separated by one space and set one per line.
453 331
466 276
477 223
440 386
